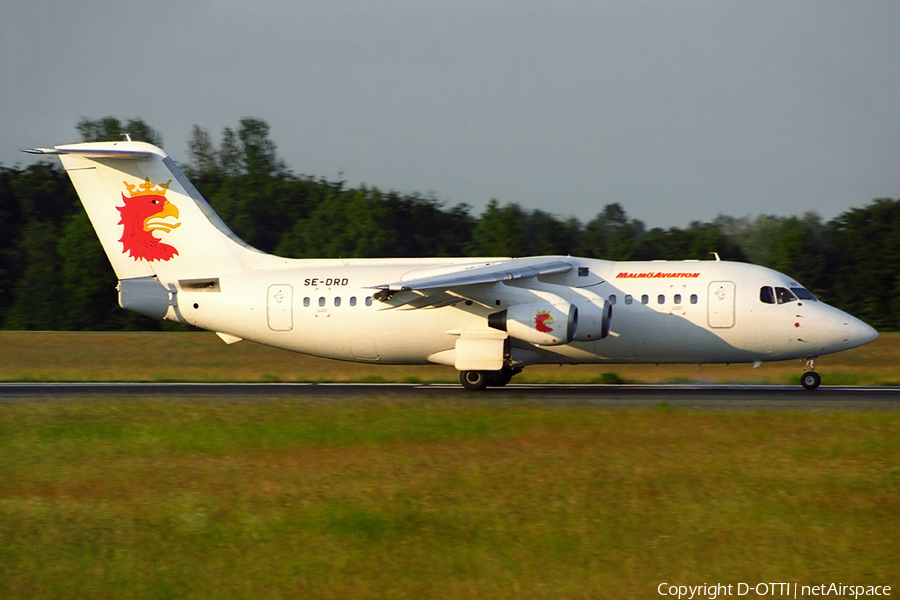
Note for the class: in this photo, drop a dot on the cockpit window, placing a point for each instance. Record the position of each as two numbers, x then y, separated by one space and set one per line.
803 294
784 295
766 295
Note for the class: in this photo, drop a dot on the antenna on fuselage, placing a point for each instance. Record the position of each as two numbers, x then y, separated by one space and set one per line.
716 254
127 136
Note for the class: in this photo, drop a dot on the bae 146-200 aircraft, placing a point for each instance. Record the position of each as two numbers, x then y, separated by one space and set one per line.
487 317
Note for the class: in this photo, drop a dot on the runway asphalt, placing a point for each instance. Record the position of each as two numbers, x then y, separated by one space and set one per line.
715 397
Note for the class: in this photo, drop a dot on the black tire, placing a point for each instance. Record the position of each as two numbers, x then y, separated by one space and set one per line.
474 381
500 378
810 380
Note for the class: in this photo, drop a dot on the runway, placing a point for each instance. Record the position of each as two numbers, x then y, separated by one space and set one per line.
711 397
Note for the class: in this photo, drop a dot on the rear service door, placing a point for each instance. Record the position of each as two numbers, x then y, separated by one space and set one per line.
279 303
721 304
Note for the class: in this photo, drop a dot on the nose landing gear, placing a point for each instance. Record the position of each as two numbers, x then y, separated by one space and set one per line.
810 379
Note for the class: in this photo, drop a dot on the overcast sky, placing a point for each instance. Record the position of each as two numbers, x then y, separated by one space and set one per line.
678 109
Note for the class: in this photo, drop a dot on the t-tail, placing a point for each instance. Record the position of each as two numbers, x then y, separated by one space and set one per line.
154 225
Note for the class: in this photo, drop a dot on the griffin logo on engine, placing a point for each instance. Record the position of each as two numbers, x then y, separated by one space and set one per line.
542 321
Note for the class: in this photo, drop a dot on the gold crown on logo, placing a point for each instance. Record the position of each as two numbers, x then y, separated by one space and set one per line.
147 188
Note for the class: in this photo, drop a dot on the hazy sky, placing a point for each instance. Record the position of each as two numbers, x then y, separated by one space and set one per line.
678 109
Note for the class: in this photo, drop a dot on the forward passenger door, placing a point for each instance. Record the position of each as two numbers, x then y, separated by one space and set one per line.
720 304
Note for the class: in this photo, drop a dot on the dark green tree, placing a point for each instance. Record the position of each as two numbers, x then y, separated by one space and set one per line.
111 129
500 232
343 225
38 296
258 156
799 251
86 277
230 154
11 222
865 262
546 235
203 155
611 235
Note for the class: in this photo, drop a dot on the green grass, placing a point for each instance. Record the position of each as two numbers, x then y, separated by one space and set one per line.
274 498
96 356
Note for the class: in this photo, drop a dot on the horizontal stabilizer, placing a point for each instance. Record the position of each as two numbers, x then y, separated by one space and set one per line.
134 151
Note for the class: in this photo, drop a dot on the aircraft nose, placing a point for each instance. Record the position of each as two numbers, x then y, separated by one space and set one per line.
855 332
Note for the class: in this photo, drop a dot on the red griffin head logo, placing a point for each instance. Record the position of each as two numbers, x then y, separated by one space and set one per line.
144 212
542 321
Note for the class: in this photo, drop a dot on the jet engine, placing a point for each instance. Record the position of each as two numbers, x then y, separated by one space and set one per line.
543 324
594 316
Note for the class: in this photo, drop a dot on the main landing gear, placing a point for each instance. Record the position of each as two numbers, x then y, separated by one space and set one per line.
810 379
478 380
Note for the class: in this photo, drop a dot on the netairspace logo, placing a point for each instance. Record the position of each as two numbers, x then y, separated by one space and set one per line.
790 590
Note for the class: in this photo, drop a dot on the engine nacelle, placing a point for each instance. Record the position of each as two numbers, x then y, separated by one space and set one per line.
594 319
541 323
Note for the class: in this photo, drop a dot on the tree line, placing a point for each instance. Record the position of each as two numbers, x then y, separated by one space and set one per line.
54 275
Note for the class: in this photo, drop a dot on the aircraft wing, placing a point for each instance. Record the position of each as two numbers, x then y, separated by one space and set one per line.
450 288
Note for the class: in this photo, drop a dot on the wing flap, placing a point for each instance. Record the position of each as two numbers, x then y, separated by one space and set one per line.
432 300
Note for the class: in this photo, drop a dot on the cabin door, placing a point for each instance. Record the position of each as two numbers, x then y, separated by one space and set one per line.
720 304
279 306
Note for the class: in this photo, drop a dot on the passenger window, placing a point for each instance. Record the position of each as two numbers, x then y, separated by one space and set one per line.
612 299
629 299
306 301
784 295
766 295
368 300
693 298
352 300
645 299
661 299
677 299
583 271
321 300
337 301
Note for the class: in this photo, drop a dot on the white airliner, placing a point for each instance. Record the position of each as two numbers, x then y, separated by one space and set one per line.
488 317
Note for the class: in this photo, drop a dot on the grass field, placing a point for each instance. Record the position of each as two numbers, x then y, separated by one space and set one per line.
277 498
182 498
52 356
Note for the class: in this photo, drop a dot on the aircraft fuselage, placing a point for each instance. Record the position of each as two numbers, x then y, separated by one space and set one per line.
662 312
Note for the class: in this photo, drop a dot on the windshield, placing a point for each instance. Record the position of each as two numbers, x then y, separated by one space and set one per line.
784 295
803 294
780 295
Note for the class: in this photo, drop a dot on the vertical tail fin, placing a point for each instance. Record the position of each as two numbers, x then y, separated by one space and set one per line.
150 219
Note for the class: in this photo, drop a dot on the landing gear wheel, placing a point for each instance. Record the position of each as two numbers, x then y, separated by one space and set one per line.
501 377
810 380
474 381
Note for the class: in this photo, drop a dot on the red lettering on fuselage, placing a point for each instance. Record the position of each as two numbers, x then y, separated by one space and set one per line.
657 275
